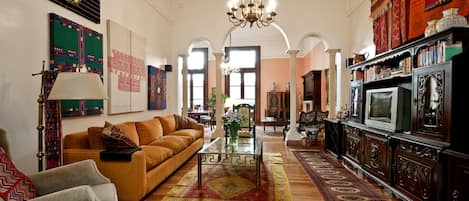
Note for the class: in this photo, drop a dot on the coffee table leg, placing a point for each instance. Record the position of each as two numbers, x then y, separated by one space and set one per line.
258 171
199 170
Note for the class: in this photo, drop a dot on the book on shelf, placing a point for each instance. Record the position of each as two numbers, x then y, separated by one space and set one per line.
437 53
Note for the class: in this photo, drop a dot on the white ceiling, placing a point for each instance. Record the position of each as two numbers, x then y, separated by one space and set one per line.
239 36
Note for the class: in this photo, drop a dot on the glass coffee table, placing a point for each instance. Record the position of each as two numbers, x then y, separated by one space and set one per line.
248 152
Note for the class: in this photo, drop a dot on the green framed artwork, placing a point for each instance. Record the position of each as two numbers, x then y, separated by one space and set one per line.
71 46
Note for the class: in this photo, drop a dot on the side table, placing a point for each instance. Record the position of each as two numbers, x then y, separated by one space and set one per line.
269 122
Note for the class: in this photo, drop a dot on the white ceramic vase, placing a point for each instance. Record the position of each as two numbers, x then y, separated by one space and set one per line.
431 28
451 18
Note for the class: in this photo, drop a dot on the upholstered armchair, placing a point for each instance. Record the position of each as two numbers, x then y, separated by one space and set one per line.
80 181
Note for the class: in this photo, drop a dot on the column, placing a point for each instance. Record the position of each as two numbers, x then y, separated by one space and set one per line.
184 84
220 108
293 137
332 92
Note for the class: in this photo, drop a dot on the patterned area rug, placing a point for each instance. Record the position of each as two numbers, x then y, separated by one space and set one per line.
222 182
333 180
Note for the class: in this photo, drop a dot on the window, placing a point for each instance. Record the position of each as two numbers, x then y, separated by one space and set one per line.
245 84
197 76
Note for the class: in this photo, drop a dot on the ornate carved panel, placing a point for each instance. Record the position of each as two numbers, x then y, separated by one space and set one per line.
414 177
418 151
376 157
430 101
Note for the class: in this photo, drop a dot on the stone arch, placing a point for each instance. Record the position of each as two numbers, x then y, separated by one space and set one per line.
314 35
197 40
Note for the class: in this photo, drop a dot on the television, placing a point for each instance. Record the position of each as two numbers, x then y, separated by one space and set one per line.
388 109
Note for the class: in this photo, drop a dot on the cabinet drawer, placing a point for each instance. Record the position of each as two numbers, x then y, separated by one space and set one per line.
417 151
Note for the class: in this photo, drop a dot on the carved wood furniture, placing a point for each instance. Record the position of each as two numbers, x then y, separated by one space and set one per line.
312 88
431 160
333 138
278 106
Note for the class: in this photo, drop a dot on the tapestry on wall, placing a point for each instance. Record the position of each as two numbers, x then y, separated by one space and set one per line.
73 45
380 15
53 123
419 15
127 71
156 88
90 9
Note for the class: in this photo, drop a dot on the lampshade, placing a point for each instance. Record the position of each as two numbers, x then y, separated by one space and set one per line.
77 86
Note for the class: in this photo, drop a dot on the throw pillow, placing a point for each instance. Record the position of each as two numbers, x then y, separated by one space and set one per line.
114 137
185 122
14 185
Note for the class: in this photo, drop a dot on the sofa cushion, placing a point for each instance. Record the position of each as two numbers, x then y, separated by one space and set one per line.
115 137
130 129
193 133
94 138
154 155
175 143
15 185
168 123
149 130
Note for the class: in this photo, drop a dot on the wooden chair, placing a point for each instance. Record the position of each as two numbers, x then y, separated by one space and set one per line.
248 127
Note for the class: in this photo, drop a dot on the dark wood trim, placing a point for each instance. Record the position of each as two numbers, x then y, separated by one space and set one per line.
205 72
256 70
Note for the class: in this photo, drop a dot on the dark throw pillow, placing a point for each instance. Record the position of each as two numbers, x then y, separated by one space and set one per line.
114 137
14 185
185 122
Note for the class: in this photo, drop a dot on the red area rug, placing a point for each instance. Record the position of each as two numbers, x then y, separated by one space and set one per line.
333 180
223 182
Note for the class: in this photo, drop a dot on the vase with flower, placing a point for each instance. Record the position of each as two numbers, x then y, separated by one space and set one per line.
232 122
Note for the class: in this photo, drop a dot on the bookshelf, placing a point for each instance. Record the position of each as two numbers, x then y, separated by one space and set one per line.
414 164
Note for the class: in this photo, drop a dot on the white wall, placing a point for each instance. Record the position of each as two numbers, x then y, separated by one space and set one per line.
24 43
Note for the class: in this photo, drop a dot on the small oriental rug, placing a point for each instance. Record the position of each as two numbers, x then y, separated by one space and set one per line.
222 182
333 180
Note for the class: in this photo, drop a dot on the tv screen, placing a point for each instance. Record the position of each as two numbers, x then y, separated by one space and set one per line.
380 106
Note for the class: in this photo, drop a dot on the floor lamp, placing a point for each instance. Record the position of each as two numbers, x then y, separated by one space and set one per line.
67 86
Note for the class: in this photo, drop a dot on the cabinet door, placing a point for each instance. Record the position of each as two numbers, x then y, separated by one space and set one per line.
377 155
431 107
333 137
353 143
356 101
458 178
417 171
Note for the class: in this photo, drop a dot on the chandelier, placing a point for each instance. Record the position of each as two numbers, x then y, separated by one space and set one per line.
242 12
228 67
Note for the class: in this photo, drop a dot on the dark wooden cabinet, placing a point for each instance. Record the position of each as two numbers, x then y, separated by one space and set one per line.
418 172
353 143
278 106
431 161
457 176
333 138
377 155
312 88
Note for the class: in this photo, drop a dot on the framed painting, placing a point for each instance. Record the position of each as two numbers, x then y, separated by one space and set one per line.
73 45
127 71
156 88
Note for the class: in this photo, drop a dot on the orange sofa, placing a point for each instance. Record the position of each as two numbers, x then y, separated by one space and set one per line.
164 150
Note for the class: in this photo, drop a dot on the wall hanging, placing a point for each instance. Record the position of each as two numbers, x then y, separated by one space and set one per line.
90 9
72 46
156 88
127 70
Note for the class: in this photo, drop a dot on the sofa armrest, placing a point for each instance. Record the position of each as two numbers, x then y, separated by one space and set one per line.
79 193
67 176
128 176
